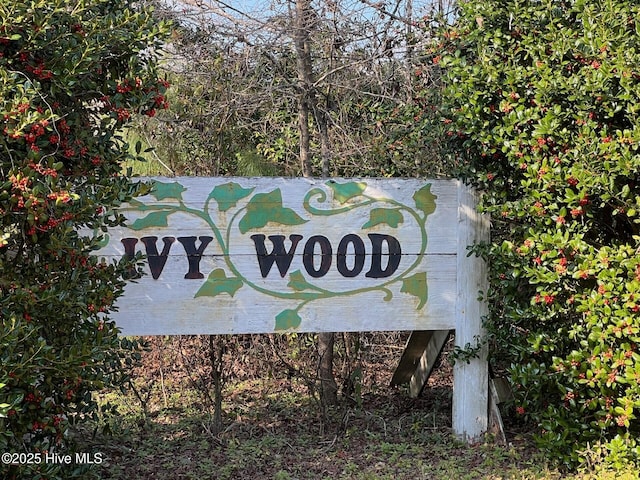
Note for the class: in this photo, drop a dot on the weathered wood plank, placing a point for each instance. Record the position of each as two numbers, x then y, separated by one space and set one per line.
471 380
258 255
170 306
413 350
427 362
381 194
418 359
495 424
501 390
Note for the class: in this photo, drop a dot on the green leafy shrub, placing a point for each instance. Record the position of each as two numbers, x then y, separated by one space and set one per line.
72 73
540 106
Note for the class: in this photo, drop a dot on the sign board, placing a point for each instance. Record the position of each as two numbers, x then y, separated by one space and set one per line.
232 255
261 255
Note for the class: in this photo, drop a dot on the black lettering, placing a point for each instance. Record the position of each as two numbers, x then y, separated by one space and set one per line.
341 257
278 254
194 255
325 256
395 255
130 252
157 261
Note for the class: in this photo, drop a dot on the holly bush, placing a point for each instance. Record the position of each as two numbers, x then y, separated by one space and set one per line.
72 74
541 104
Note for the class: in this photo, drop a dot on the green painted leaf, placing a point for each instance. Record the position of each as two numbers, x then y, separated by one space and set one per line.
287 320
298 282
391 216
227 195
162 190
344 192
218 283
425 200
154 219
103 241
416 285
267 207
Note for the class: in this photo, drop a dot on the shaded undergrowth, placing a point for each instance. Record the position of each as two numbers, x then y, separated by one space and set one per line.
276 432
274 428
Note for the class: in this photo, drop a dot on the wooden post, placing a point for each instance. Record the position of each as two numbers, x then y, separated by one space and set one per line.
470 379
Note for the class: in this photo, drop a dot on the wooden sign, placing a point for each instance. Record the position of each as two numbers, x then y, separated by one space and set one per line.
261 255
232 255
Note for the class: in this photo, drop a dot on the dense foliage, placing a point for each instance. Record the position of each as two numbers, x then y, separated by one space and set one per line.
541 105
72 74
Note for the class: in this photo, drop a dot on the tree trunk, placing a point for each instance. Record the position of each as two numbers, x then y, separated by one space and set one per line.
303 65
306 105
328 385
216 352
325 146
303 124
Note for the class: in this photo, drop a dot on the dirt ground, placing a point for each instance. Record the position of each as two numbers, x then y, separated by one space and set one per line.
274 427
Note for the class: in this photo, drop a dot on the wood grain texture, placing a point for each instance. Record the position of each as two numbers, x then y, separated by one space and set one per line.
225 213
427 362
471 379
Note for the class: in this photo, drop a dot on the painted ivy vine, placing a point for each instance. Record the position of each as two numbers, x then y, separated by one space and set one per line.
247 211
